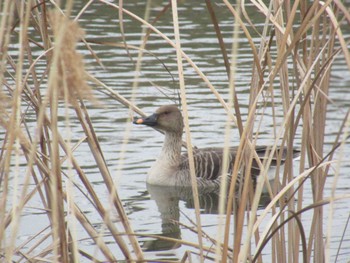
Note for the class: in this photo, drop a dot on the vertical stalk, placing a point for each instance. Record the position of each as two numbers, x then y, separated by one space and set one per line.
186 123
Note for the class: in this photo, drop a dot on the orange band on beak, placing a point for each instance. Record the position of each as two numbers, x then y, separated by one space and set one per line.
139 121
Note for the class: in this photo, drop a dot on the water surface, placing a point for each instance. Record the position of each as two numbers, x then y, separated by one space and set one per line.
130 150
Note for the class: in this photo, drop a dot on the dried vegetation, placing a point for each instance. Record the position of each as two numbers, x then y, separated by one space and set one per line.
307 37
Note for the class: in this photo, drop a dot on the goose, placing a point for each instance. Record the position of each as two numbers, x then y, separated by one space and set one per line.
171 168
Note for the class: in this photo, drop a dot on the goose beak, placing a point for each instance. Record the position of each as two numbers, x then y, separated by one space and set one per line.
149 121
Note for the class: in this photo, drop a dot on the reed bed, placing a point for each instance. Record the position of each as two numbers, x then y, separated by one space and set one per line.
298 45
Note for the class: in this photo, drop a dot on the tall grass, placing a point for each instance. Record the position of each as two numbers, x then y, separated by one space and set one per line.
307 38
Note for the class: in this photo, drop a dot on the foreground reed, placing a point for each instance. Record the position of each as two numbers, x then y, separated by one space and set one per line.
298 46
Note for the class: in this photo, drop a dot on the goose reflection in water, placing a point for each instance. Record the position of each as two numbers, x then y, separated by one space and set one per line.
168 199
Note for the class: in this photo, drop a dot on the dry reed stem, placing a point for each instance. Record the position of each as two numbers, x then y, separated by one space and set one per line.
333 188
232 102
97 153
311 93
13 146
99 208
281 39
226 62
186 124
77 80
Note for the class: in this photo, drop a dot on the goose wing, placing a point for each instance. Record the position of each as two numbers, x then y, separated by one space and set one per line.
207 162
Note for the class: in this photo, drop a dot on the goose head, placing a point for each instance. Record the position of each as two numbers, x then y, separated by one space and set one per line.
167 118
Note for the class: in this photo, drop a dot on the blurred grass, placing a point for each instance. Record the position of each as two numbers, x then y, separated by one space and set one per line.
307 37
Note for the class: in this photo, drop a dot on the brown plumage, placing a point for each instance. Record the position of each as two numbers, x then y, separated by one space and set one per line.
172 169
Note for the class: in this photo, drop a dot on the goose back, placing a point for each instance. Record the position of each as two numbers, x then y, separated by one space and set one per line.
208 163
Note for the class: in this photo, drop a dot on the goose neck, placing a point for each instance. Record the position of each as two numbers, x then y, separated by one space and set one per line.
172 147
